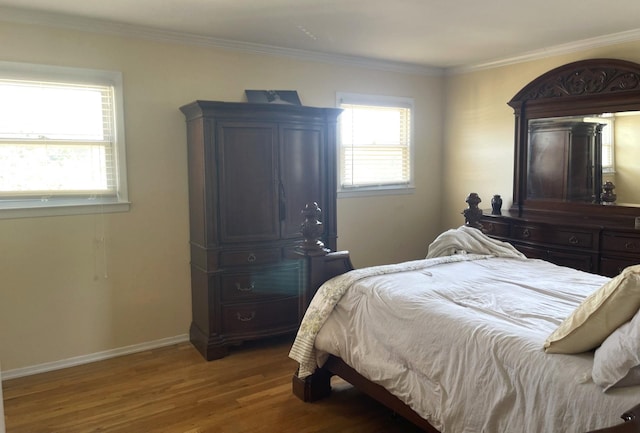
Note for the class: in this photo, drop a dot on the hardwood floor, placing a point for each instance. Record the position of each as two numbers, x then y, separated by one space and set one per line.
173 390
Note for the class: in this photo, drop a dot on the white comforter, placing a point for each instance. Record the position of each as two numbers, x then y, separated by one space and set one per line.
459 339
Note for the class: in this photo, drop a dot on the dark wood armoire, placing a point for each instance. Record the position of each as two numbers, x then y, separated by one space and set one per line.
252 169
565 160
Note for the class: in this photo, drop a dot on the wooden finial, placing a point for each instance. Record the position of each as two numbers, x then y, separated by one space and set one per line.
312 230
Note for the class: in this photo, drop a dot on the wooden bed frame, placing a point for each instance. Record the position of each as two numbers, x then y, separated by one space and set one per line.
323 265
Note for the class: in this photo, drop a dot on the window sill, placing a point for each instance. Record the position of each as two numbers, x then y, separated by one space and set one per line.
38 209
375 191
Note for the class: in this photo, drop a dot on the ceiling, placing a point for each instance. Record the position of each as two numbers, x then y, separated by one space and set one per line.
423 33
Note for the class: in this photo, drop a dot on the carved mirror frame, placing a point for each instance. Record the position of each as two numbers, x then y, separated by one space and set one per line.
584 87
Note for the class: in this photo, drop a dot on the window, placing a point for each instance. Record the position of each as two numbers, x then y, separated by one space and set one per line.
61 141
607 137
608 165
375 148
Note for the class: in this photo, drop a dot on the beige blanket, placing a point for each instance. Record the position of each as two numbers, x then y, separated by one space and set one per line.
465 240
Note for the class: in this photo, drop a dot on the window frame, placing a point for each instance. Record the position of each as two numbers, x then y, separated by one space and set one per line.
608 142
70 205
382 101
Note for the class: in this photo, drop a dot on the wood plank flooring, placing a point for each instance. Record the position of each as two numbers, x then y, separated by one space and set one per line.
174 390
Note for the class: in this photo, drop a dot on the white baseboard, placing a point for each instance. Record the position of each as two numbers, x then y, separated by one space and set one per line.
99 356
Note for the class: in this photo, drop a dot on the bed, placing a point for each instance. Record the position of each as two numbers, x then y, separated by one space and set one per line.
461 341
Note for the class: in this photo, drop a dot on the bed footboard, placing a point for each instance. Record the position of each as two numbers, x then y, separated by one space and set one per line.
321 264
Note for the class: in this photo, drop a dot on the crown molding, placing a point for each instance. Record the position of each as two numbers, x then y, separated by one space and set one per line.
23 16
17 15
557 50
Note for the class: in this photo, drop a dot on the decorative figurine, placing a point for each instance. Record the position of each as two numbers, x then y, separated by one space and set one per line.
608 197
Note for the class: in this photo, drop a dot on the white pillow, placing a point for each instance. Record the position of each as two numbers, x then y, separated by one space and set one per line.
616 363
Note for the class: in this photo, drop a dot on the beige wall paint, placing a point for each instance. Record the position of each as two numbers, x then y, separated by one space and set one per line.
627 155
479 127
64 293
394 228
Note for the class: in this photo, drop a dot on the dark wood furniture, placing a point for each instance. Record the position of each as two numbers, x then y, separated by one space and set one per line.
324 265
252 167
565 160
587 244
554 215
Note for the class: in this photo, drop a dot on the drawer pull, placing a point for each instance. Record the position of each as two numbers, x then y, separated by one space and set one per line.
247 317
525 233
630 246
250 288
251 258
573 240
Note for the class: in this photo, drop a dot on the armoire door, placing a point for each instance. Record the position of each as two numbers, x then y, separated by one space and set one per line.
564 160
302 173
547 165
248 181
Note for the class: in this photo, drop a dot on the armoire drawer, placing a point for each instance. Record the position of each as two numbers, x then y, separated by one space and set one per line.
271 282
260 316
257 256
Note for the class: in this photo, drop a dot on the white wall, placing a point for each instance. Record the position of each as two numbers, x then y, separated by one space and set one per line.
64 295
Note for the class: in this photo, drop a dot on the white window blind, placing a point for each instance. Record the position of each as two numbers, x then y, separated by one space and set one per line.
375 143
608 161
59 141
55 139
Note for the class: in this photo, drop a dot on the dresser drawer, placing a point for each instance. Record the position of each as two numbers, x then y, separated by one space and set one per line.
612 266
277 281
620 242
258 256
529 233
495 228
582 261
532 252
261 316
556 236
573 238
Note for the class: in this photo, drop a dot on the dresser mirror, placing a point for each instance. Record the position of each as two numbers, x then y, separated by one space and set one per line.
571 158
577 127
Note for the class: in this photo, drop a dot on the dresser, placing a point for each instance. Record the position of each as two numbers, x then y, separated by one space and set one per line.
252 169
562 211
591 245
